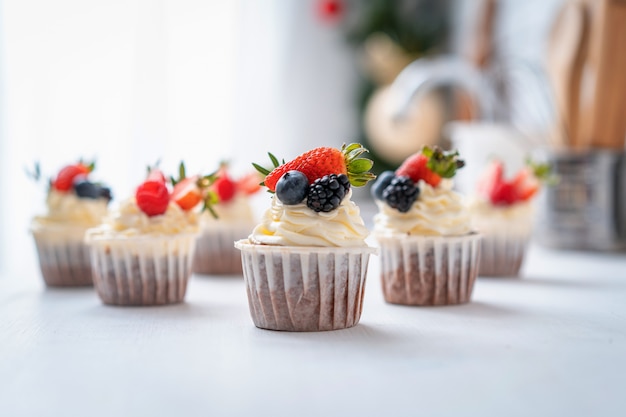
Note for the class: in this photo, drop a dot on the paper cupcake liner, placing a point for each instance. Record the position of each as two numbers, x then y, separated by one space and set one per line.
425 271
63 256
215 253
304 288
502 255
506 233
142 271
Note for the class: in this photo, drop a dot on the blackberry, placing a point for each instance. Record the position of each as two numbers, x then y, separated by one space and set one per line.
401 193
326 193
344 181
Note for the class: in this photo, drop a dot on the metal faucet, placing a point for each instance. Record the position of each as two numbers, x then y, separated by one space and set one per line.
426 74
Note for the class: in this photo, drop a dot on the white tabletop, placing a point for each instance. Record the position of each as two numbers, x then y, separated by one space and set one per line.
552 343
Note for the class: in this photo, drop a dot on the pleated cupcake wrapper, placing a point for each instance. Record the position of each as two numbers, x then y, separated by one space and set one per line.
63 256
502 254
215 253
504 242
304 289
424 270
142 271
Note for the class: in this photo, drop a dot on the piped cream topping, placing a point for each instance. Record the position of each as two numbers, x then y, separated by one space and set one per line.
68 208
129 221
298 225
438 211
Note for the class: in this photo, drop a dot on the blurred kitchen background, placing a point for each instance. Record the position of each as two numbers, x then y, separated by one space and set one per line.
130 82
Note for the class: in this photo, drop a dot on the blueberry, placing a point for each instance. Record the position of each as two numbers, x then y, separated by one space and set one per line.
86 189
383 180
292 187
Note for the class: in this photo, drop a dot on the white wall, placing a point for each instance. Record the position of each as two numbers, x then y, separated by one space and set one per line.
132 81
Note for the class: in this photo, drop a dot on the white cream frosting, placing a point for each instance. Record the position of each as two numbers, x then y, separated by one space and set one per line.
130 221
491 219
438 211
232 213
298 225
69 209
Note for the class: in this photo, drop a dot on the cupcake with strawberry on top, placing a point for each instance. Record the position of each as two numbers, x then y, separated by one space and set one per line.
502 211
305 264
232 220
74 204
142 253
429 252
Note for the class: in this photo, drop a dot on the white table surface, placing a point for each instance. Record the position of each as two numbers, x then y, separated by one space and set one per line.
552 343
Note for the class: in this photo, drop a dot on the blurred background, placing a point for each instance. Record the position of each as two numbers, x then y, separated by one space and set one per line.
130 82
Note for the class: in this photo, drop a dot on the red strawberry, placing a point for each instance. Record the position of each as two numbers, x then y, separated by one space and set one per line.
491 177
526 184
322 161
152 197
249 183
415 167
187 194
493 186
66 176
430 165
224 187
503 194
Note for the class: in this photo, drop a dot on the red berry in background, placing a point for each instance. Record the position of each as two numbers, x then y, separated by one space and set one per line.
65 178
187 194
152 197
330 10
225 188
249 183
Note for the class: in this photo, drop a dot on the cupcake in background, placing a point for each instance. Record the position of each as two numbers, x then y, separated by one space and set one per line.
305 264
74 204
502 211
142 254
429 252
231 220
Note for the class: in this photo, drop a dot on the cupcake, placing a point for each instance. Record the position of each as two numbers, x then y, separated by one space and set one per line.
142 253
305 264
74 204
232 220
429 253
503 213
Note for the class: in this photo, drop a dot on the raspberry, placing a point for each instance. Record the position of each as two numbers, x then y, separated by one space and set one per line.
225 188
152 197
401 193
326 193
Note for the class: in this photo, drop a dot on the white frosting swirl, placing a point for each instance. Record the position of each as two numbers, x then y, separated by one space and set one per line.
129 221
298 225
68 208
233 212
438 211
514 219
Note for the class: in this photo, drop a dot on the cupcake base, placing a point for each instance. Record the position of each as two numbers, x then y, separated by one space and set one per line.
304 289
64 261
502 256
142 271
427 271
215 253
